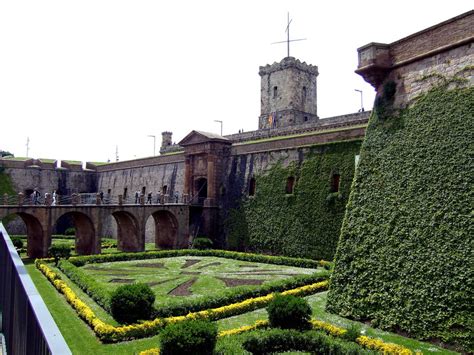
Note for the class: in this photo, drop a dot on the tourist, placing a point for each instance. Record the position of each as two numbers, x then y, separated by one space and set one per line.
158 197
148 199
176 197
101 195
36 196
137 197
53 203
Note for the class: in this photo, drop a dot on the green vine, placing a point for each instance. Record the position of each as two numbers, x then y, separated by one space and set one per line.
406 241
303 223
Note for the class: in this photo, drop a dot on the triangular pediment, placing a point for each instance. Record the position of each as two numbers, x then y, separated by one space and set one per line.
198 137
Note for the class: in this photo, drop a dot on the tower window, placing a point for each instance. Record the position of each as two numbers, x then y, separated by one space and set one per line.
275 92
304 94
125 192
335 180
252 187
165 189
143 190
306 118
290 184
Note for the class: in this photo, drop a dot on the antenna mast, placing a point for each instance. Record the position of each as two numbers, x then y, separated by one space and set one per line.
288 40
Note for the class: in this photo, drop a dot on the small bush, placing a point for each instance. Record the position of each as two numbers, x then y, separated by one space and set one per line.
130 303
17 243
70 231
202 243
190 337
59 251
289 312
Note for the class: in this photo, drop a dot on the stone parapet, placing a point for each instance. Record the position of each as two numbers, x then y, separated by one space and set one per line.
143 162
322 124
288 62
377 60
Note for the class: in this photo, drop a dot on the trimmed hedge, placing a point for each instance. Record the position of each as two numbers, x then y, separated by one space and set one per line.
268 259
308 221
197 337
406 242
109 333
281 340
289 312
131 303
99 294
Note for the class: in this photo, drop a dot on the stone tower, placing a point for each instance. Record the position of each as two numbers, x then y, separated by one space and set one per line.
288 93
166 141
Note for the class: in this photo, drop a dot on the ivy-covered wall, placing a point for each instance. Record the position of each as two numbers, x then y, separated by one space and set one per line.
305 223
405 255
6 186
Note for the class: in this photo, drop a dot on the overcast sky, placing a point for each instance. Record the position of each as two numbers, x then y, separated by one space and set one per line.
82 77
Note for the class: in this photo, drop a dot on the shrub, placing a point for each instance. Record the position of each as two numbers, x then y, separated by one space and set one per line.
17 243
70 231
202 243
59 251
192 337
130 303
282 340
289 312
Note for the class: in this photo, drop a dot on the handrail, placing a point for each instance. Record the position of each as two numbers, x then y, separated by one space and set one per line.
26 323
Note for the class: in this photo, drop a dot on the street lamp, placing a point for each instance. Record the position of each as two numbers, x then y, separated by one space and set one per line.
154 143
361 101
218 121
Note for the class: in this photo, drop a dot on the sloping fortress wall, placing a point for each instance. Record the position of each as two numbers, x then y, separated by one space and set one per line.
403 259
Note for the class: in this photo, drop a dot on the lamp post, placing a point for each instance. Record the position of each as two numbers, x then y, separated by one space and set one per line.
154 143
361 101
218 121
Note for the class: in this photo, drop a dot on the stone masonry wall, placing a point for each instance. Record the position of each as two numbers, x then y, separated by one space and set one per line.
455 66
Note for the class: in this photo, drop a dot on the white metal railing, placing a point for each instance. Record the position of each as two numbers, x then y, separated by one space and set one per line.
26 323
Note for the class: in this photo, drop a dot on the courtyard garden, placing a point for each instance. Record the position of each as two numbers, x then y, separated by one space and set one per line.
231 291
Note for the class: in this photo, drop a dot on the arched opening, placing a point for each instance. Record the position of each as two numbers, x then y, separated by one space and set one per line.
128 235
166 229
85 242
200 190
290 184
252 187
36 246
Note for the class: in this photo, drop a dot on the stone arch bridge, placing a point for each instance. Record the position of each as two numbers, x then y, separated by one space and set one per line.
171 225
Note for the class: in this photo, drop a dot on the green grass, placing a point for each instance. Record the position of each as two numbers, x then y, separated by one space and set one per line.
9 157
71 325
207 271
318 304
77 334
45 160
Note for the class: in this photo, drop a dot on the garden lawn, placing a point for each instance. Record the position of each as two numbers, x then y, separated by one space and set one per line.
190 277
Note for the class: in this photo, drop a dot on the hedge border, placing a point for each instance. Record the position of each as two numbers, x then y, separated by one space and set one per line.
71 268
364 341
109 333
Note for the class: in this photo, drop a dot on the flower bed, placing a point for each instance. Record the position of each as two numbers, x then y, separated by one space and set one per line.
109 333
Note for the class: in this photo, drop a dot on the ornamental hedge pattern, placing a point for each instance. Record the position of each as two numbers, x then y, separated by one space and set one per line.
404 258
305 223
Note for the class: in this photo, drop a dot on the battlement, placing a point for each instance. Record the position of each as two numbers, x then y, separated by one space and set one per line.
286 63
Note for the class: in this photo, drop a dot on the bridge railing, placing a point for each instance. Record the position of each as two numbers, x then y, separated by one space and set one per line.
48 199
26 323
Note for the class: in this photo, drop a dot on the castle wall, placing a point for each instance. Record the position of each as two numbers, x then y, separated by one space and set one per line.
411 198
152 173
